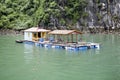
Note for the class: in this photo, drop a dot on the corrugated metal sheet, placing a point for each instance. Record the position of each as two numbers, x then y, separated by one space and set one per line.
36 29
63 32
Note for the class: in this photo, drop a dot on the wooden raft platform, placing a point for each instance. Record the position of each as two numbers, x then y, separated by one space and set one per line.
67 46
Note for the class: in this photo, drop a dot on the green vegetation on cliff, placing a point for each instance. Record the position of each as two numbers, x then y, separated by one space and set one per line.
22 14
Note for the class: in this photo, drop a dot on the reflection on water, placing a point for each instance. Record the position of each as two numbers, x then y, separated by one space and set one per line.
28 52
94 51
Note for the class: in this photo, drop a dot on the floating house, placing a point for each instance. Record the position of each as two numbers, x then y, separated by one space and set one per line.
60 39
35 33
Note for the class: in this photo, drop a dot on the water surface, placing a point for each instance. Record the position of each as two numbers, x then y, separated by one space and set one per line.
29 62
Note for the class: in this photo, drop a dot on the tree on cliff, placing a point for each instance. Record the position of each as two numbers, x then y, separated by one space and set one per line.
58 14
21 14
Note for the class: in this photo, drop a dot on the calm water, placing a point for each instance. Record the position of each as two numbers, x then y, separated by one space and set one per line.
29 62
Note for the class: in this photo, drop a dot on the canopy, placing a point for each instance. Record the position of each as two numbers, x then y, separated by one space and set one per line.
64 32
36 29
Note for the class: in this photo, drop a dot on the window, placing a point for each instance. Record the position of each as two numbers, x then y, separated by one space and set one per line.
39 34
34 35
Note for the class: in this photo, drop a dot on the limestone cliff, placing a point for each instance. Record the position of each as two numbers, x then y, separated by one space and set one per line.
103 13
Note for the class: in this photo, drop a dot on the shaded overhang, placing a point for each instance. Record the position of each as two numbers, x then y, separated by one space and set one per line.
64 32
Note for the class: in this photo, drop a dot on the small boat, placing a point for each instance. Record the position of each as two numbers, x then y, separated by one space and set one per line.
19 41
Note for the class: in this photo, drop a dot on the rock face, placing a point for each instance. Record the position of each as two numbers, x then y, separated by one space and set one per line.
105 13
10 32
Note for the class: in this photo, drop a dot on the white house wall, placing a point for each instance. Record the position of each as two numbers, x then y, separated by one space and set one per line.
28 36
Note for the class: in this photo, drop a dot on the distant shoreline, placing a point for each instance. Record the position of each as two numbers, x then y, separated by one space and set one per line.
10 32
17 32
